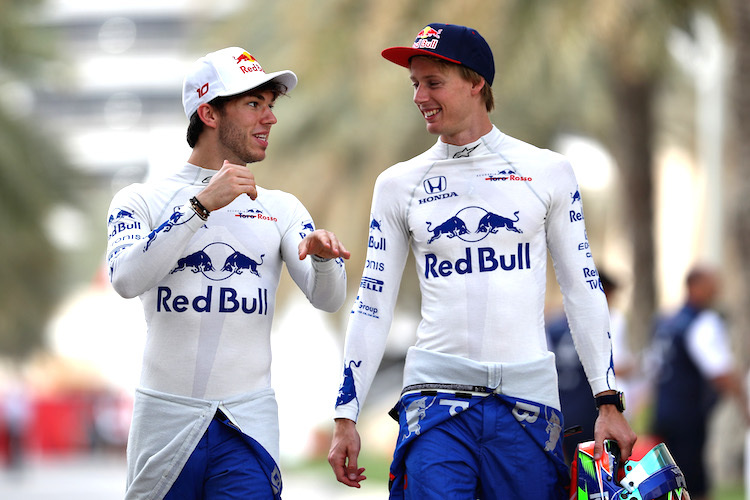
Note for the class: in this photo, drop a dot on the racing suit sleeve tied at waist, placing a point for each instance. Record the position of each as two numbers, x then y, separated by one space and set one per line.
536 378
166 428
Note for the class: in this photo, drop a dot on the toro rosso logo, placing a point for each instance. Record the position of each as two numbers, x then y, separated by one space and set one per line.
473 224
507 174
253 213
231 262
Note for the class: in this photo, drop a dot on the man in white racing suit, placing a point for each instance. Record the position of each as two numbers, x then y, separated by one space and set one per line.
479 412
203 249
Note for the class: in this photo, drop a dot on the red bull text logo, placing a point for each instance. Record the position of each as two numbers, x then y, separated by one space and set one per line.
428 38
485 258
226 301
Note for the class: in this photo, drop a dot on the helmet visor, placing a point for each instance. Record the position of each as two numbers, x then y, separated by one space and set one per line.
656 474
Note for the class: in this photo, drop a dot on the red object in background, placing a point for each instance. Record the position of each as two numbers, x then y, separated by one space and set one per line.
60 424
68 423
643 445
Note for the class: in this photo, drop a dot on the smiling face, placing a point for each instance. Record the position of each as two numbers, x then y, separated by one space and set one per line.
450 104
244 125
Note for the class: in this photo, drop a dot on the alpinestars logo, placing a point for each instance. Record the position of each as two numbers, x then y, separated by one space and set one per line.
465 152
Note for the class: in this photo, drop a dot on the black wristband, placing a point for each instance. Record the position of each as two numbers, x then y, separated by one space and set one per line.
617 399
199 209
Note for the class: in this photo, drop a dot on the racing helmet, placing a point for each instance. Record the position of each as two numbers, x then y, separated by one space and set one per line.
654 477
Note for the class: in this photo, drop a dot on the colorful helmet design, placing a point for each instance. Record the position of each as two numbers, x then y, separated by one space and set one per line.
653 477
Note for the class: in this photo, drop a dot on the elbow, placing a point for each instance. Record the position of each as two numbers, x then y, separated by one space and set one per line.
332 303
330 306
125 288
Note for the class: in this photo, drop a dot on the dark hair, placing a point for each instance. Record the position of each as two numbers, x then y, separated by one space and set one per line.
195 127
471 76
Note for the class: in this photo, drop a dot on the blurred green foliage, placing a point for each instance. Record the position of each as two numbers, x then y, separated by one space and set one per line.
34 178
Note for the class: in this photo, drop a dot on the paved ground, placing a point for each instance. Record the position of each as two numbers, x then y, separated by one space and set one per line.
101 477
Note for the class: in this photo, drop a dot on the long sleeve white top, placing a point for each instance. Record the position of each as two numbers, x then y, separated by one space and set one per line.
480 220
208 288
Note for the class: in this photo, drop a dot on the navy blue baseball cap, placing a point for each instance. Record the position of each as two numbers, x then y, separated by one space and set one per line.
451 42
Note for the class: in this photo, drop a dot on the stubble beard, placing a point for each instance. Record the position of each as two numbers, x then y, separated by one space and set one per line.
236 140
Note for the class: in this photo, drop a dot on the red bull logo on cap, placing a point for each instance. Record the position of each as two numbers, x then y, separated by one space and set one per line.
428 38
245 57
247 63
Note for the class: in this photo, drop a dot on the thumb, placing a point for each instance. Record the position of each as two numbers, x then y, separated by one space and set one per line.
352 470
303 249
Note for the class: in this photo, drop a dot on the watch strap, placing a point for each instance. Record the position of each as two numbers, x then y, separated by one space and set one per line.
616 399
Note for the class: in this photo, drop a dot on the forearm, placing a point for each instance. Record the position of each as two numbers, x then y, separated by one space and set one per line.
328 290
138 259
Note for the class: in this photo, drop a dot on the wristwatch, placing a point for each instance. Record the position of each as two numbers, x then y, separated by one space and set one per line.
617 399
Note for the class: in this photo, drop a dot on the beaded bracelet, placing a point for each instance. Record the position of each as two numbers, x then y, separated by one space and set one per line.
199 209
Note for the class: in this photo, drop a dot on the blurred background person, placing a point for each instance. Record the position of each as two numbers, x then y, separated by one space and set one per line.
694 367
16 417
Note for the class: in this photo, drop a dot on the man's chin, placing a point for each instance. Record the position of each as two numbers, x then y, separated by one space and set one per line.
433 128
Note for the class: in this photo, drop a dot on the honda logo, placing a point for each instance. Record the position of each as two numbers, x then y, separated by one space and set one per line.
435 185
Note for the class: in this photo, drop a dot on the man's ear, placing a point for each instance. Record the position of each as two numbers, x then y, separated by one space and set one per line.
208 115
476 88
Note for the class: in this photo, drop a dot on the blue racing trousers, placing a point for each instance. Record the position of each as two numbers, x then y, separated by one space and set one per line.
227 464
466 446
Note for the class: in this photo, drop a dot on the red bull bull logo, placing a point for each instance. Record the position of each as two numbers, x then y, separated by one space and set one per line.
428 38
245 57
429 32
208 262
463 223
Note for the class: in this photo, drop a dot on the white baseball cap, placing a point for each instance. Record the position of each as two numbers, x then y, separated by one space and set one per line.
227 72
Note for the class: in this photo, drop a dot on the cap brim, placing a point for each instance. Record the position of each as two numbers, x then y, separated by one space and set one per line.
402 55
286 78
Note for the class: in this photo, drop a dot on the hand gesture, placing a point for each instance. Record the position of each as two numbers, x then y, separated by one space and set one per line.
227 184
323 244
